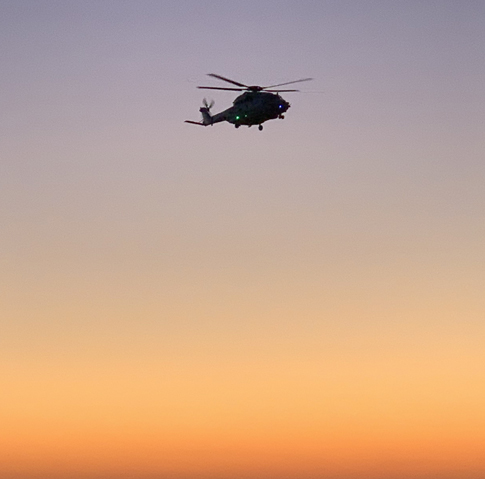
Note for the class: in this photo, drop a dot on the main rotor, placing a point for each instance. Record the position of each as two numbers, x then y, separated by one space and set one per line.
253 88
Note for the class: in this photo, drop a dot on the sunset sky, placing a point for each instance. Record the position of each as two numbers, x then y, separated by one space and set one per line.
305 302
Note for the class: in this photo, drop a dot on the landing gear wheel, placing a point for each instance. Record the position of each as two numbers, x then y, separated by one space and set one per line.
281 117
237 126
260 127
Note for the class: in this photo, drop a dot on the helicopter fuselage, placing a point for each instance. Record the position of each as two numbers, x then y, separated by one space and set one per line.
253 108
250 108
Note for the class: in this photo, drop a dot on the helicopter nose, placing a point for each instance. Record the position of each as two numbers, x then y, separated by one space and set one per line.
283 106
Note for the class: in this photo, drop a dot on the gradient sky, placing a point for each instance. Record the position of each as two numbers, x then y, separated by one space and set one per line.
181 302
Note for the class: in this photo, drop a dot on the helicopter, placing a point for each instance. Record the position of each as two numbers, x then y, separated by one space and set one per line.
255 106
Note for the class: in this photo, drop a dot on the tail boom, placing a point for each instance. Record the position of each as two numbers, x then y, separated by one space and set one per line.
208 119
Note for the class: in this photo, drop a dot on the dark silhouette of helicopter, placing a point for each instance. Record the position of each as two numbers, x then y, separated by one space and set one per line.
255 106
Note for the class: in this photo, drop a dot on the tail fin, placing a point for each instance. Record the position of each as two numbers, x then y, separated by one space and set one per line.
206 116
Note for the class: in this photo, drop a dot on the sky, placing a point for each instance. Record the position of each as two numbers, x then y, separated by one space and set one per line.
181 302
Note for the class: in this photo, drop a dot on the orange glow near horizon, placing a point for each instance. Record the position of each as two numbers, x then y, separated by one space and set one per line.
291 417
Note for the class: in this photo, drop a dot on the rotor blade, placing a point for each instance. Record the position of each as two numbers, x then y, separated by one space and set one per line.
195 122
220 88
279 91
227 79
288 83
207 104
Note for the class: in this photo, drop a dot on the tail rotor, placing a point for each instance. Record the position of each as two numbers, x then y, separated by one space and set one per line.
205 110
208 105
206 114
